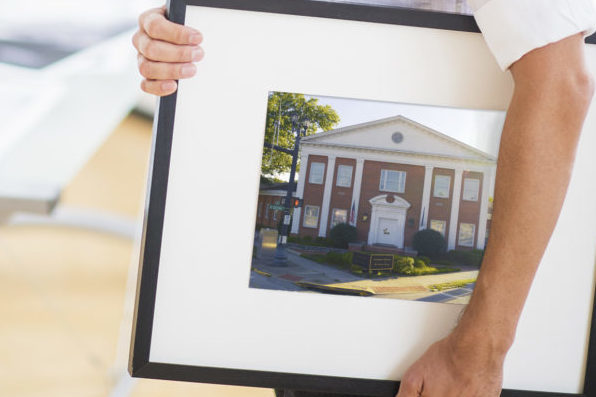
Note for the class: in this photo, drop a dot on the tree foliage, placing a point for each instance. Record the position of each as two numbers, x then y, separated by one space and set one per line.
282 108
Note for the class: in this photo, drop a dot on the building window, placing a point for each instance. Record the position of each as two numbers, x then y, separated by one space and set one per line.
339 216
344 176
311 216
438 226
316 173
442 185
466 234
471 188
392 181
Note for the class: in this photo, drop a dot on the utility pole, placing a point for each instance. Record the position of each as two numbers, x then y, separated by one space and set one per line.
299 127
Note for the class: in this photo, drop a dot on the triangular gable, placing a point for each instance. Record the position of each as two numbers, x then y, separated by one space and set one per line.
416 138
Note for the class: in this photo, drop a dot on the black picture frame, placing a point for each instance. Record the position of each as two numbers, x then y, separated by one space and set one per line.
140 365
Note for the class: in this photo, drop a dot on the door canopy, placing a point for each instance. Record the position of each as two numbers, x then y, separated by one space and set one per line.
389 201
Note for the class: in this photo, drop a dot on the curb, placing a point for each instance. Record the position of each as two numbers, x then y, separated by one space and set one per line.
262 273
335 290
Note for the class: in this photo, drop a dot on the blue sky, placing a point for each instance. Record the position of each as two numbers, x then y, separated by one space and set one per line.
478 128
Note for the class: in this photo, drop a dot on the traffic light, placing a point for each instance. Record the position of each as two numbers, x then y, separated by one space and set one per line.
297 202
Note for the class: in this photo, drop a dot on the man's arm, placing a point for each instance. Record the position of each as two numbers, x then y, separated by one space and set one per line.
553 91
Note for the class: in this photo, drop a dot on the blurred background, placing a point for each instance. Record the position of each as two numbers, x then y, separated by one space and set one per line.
75 136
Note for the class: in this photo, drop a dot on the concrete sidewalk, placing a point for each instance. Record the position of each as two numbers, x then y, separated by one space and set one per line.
304 274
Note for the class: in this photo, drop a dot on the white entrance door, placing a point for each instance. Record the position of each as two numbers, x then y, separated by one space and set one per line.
387 220
389 232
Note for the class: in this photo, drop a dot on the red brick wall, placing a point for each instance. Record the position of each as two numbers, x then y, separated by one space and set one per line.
440 208
469 211
341 197
371 176
313 195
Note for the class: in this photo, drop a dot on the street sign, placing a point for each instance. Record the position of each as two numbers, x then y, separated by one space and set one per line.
277 207
287 219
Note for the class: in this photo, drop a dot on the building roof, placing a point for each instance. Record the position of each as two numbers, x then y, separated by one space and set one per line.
276 186
276 189
398 134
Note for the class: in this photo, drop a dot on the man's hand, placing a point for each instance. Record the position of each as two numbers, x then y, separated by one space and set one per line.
453 367
166 52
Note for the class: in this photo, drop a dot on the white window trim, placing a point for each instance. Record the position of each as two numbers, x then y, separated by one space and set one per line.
392 191
310 174
344 167
304 218
463 196
473 235
438 220
333 216
435 186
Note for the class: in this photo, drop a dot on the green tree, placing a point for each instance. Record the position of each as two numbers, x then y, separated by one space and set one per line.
281 109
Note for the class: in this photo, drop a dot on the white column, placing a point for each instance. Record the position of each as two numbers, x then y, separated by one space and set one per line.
491 187
455 201
486 183
428 177
300 192
327 196
357 187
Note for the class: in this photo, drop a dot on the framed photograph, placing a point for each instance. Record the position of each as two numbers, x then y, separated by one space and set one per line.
320 195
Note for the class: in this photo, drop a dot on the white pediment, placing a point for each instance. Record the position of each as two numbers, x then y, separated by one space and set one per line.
398 134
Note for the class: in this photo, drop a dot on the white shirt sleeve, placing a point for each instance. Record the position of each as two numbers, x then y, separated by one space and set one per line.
513 28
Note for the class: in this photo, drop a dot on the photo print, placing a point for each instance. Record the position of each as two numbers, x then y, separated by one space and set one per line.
376 199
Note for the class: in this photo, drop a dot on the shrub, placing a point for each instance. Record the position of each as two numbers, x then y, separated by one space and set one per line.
419 263
409 266
314 257
403 264
339 258
429 242
334 258
424 259
348 256
470 258
451 284
342 234
307 239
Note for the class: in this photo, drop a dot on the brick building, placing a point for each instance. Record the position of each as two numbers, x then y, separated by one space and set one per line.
391 178
271 195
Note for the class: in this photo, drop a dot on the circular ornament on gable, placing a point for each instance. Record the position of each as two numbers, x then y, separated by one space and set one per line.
390 198
397 137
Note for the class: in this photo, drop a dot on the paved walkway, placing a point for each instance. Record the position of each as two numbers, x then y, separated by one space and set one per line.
302 274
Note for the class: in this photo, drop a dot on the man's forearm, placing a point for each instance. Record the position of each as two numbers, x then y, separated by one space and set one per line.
552 93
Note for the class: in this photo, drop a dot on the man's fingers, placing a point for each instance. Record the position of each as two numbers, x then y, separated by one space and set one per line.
156 26
159 87
164 70
167 51
406 390
410 386
161 51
